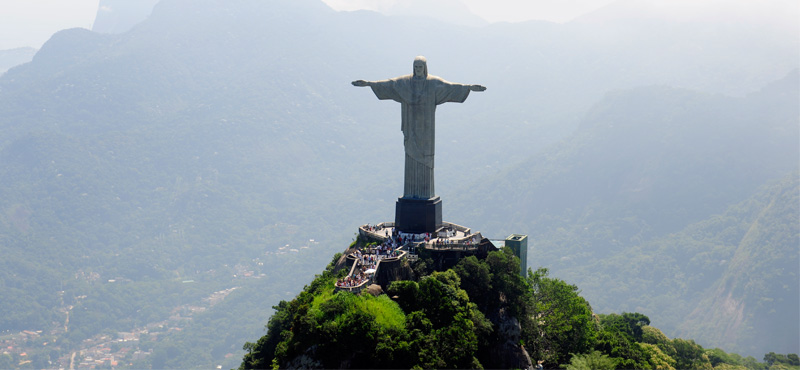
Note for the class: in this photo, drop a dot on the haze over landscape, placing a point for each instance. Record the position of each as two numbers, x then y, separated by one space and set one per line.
173 173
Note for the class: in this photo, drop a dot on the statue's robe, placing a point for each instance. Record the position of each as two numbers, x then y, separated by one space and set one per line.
418 98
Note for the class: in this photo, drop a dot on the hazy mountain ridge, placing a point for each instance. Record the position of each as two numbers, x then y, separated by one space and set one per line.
656 138
14 57
646 163
216 130
117 16
691 280
748 307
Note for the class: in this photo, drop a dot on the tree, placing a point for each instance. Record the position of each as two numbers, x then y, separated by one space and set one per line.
773 358
405 293
442 301
689 354
751 363
259 355
591 361
619 345
441 334
561 321
422 345
630 324
457 343
509 289
653 336
794 360
658 358
476 280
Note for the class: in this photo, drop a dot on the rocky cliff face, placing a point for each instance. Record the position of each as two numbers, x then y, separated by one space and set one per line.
510 354
393 270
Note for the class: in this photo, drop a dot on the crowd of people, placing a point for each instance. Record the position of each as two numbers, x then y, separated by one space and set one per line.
367 261
352 281
394 239
387 249
375 228
466 242
407 237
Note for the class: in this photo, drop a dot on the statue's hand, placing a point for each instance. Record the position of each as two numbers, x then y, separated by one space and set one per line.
360 83
477 88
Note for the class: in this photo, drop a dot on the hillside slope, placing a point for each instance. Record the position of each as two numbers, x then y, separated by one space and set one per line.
646 164
758 293
478 314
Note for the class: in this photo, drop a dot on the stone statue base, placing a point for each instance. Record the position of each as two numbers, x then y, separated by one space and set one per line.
418 215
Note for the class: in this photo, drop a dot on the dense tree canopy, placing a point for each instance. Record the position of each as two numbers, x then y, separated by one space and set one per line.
460 317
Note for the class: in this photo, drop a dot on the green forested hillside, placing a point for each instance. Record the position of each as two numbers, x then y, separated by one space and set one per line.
219 145
692 278
479 314
756 295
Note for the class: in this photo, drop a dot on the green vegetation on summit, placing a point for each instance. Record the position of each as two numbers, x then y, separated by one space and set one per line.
481 313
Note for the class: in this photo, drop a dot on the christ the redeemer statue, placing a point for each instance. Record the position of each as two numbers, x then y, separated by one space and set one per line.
418 95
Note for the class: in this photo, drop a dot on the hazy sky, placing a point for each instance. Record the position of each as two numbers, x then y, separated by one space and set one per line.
32 22
497 10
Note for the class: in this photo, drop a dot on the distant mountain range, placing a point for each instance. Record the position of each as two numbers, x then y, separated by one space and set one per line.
618 207
216 132
15 57
118 16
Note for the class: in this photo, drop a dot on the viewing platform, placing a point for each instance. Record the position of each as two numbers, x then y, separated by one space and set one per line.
448 236
392 246
366 263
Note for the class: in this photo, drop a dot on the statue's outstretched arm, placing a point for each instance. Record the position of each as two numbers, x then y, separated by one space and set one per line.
472 87
361 83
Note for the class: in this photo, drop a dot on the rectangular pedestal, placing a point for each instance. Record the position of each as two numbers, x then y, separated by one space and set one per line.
418 215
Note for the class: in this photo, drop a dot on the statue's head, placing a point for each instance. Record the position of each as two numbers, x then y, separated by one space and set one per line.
420 67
